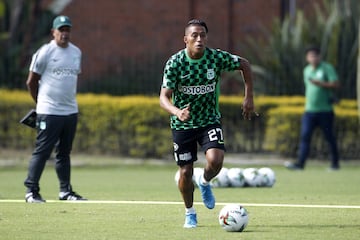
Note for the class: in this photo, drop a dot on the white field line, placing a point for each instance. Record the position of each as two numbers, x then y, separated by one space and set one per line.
195 203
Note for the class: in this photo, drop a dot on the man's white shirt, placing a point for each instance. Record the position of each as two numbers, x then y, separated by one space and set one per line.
59 69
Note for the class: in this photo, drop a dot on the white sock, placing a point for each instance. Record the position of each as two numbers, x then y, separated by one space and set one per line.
190 210
203 181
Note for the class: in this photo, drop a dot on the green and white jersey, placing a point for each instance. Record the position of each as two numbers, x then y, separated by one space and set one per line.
196 82
318 99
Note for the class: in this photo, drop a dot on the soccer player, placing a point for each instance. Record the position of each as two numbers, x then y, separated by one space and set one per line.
320 80
52 83
190 93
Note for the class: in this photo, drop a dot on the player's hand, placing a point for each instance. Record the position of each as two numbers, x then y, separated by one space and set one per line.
316 82
248 109
183 114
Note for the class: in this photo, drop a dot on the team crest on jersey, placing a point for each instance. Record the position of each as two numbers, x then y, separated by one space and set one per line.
210 74
319 74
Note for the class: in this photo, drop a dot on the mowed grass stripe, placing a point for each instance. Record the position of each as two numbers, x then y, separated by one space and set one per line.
181 203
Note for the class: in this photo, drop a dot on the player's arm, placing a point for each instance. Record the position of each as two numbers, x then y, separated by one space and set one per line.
330 77
32 84
165 103
248 103
331 85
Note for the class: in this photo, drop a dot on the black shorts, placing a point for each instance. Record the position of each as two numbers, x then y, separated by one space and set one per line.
185 142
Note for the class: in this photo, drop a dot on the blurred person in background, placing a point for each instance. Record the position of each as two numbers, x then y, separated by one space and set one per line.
320 80
52 83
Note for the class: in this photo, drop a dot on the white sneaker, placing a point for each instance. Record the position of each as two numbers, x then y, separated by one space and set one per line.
34 197
71 196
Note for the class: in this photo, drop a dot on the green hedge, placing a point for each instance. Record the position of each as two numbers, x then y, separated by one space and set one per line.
283 130
136 126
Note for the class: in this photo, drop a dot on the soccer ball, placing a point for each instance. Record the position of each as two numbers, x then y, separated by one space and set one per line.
233 218
221 180
196 175
236 177
267 177
252 177
198 172
177 177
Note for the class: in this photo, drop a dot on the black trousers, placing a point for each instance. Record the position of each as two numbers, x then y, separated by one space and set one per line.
324 120
52 130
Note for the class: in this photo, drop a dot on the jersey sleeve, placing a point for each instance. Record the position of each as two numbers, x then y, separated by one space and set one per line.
306 75
78 60
170 74
80 64
230 62
331 73
39 60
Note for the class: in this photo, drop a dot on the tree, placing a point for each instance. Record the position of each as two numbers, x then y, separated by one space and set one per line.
279 61
358 73
23 27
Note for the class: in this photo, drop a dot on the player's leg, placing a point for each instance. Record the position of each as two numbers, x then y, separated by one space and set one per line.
186 188
62 160
48 134
214 160
212 142
327 125
214 163
185 153
185 184
308 124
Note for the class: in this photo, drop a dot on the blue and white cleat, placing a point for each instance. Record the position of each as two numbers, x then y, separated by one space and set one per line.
207 195
190 220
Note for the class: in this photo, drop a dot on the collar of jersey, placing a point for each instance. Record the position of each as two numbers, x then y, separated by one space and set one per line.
195 60
320 65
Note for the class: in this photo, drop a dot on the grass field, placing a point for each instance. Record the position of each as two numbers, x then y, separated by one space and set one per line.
163 217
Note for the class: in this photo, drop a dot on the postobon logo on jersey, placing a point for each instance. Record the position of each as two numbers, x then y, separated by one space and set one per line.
65 71
197 90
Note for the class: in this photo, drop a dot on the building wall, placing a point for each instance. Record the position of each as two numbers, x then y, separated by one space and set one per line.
110 32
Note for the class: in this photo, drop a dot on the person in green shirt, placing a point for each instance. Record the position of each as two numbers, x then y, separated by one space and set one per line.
190 93
320 80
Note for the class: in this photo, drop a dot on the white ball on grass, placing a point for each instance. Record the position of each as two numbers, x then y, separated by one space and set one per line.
252 177
236 177
177 177
233 218
221 180
198 172
196 175
267 176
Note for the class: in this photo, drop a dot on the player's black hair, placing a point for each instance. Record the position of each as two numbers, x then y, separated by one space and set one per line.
314 49
197 22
